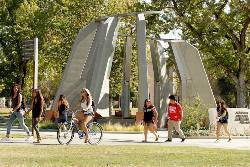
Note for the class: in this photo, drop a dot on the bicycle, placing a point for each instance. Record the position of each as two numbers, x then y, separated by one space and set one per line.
66 132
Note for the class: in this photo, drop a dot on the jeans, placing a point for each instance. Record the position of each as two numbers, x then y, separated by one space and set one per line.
35 127
17 115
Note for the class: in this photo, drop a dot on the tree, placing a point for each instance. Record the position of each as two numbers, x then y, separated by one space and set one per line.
219 29
56 24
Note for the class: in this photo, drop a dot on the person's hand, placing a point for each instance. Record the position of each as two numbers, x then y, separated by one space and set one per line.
26 114
38 119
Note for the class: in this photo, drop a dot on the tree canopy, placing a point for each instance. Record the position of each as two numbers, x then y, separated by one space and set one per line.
219 29
56 24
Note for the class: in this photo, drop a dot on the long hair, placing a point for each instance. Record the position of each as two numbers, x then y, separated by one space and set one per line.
62 99
39 97
223 105
145 103
13 91
89 97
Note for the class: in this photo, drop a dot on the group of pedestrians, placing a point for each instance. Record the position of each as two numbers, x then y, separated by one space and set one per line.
18 112
84 104
86 107
174 118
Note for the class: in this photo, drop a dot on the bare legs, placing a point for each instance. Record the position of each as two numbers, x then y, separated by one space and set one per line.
150 127
84 123
218 129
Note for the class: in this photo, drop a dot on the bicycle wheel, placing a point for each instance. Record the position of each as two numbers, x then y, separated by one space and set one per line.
95 133
65 134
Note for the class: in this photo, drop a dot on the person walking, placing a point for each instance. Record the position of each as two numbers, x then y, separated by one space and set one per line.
37 107
222 117
150 120
18 110
175 116
62 106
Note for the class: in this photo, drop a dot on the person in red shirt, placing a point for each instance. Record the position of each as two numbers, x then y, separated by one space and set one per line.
175 115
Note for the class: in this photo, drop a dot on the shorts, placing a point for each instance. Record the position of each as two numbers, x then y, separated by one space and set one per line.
147 123
88 113
223 121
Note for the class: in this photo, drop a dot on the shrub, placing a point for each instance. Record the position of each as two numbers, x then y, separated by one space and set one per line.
195 118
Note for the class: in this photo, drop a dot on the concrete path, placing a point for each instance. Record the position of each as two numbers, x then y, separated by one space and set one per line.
135 139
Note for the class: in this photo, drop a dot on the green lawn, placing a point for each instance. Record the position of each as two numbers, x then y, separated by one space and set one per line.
85 155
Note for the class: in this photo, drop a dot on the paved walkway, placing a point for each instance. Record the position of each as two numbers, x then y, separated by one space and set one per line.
135 139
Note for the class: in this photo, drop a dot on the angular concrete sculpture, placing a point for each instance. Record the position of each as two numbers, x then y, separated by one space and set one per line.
91 59
125 98
90 63
193 77
162 81
194 81
72 83
142 60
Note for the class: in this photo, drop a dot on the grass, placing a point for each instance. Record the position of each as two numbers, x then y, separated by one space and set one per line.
84 155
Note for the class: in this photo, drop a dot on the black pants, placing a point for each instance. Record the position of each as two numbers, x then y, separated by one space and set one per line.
35 122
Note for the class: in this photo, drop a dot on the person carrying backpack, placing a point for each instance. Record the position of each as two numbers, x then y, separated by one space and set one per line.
17 112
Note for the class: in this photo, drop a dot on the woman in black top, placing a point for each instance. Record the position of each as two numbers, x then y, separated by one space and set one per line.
222 117
63 105
17 112
37 110
150 120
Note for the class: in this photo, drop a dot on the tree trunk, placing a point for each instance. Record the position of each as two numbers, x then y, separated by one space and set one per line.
241 90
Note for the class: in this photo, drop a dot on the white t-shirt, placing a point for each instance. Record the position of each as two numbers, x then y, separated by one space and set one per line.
84 106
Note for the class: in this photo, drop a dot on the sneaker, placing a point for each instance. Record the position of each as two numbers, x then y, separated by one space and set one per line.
29 138
37 142
157 138
230 139
168 140
183 139
5 139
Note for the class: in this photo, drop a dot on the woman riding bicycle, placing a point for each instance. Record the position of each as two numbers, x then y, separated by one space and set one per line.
86 115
